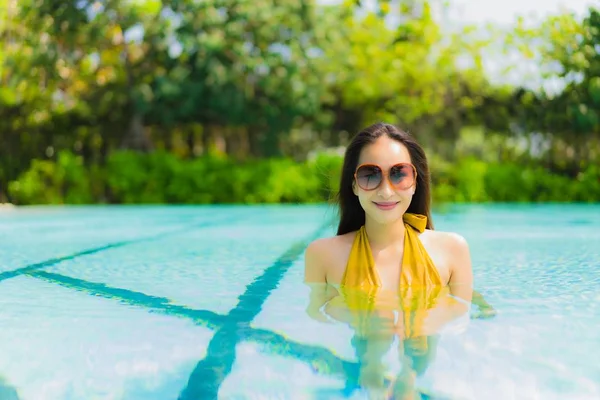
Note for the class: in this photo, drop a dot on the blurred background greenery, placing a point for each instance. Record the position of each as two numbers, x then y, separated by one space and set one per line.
252 101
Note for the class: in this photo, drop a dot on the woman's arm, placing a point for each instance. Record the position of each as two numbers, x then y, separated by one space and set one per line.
457 303
461 281
461 273
315 276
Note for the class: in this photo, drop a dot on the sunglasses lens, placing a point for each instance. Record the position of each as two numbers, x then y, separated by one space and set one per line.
402 176
368 177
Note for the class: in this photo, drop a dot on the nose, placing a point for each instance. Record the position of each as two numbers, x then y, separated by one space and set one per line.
385 190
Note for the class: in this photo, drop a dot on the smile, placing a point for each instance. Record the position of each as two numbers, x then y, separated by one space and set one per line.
387 205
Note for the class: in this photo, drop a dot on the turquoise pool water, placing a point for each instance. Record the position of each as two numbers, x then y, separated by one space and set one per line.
208 302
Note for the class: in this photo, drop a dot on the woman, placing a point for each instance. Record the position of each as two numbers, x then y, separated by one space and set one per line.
387 272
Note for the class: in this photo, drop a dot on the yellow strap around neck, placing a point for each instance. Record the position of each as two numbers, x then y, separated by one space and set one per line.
417 269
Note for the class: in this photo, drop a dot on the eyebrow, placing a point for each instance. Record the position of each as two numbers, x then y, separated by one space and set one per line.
383 165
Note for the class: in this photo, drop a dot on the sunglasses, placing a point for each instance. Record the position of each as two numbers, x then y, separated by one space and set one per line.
370 176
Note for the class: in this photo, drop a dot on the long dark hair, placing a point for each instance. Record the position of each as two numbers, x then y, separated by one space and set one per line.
352 215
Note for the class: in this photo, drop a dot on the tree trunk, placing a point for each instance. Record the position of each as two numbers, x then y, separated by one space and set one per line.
254 140
136 137
104 147
236 142
207 138
190 141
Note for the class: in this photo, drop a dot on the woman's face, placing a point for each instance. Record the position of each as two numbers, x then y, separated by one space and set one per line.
386 203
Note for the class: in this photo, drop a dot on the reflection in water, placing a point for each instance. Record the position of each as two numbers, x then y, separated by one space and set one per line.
6 391
412 318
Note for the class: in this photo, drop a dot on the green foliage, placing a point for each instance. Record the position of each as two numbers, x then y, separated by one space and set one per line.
566 51
223 80
472 180
160 177
406 72
49 182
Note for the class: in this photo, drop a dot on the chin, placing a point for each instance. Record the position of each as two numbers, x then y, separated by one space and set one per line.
388 220
385 217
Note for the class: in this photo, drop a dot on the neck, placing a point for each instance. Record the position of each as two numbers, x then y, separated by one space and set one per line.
384 235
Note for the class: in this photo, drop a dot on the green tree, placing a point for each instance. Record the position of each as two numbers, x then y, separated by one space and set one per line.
568 119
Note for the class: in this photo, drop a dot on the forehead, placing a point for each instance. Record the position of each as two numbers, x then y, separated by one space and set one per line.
385 152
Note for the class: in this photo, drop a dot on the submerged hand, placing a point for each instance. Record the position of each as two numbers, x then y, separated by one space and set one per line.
484 313
318 316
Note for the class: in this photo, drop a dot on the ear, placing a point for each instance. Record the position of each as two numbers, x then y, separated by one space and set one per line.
354 188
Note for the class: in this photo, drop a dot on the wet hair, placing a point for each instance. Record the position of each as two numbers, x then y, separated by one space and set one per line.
352 215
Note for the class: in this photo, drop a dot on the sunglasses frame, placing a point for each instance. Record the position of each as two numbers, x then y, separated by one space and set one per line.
385 175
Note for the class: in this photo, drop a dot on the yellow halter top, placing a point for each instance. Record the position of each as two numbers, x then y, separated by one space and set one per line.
420 284
417 269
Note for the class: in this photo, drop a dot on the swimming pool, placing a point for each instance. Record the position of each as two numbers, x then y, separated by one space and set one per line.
194 302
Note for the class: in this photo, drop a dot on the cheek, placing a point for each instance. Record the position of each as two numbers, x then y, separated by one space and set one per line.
406 197
407 194
365 198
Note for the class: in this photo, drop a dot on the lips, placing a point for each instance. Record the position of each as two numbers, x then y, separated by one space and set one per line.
386 205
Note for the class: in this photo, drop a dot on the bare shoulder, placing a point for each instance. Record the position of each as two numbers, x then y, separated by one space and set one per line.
320 247
450 241
456 253
326 249
453 246
324 257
